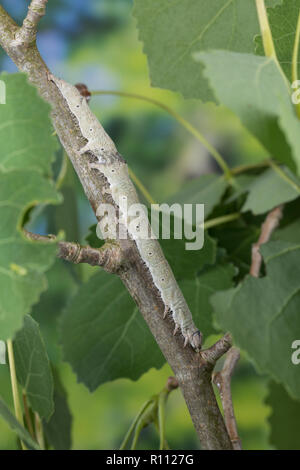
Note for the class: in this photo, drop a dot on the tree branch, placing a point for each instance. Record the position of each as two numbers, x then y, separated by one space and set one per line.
268 227
109 256
193 371
223 381
212 354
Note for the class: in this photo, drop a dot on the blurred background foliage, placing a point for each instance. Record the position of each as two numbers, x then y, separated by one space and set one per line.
96 42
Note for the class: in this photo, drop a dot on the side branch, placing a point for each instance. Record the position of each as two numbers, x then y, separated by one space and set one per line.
223 381
268 227
109 256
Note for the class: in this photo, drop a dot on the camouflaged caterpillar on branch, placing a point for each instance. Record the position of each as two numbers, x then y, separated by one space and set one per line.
110 164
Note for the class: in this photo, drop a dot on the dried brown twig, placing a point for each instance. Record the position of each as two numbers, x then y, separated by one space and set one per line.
222 380
268 227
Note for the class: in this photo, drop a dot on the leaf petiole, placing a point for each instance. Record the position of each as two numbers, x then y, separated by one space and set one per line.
191 129
134 424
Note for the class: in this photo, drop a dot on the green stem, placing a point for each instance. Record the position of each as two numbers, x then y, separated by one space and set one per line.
221 220
284 176
295 61
191 129
39 431
136 419
161 418
235 171
14 385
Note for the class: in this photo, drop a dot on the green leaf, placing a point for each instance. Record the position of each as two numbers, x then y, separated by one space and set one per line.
25 127
283 22
197 293
242 83
16 426
22 262
207 190
184 263
290 123
33 368
104 336
240 187
172 30
263 314
262 197
284 419
58 428
47 312
26 153
92 237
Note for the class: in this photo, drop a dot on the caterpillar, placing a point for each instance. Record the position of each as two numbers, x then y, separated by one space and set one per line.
111 164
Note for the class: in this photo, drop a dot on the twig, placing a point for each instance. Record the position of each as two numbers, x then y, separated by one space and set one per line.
27 33
172 384
153 411
295 62
39 433
109 256
265 29
191 129
268 227
222 380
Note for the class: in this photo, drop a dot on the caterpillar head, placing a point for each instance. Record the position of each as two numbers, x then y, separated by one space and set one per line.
165 278
71 94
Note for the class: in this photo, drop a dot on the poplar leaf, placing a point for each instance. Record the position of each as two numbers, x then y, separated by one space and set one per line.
10 419
283 22
33 368
258 93
26 153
